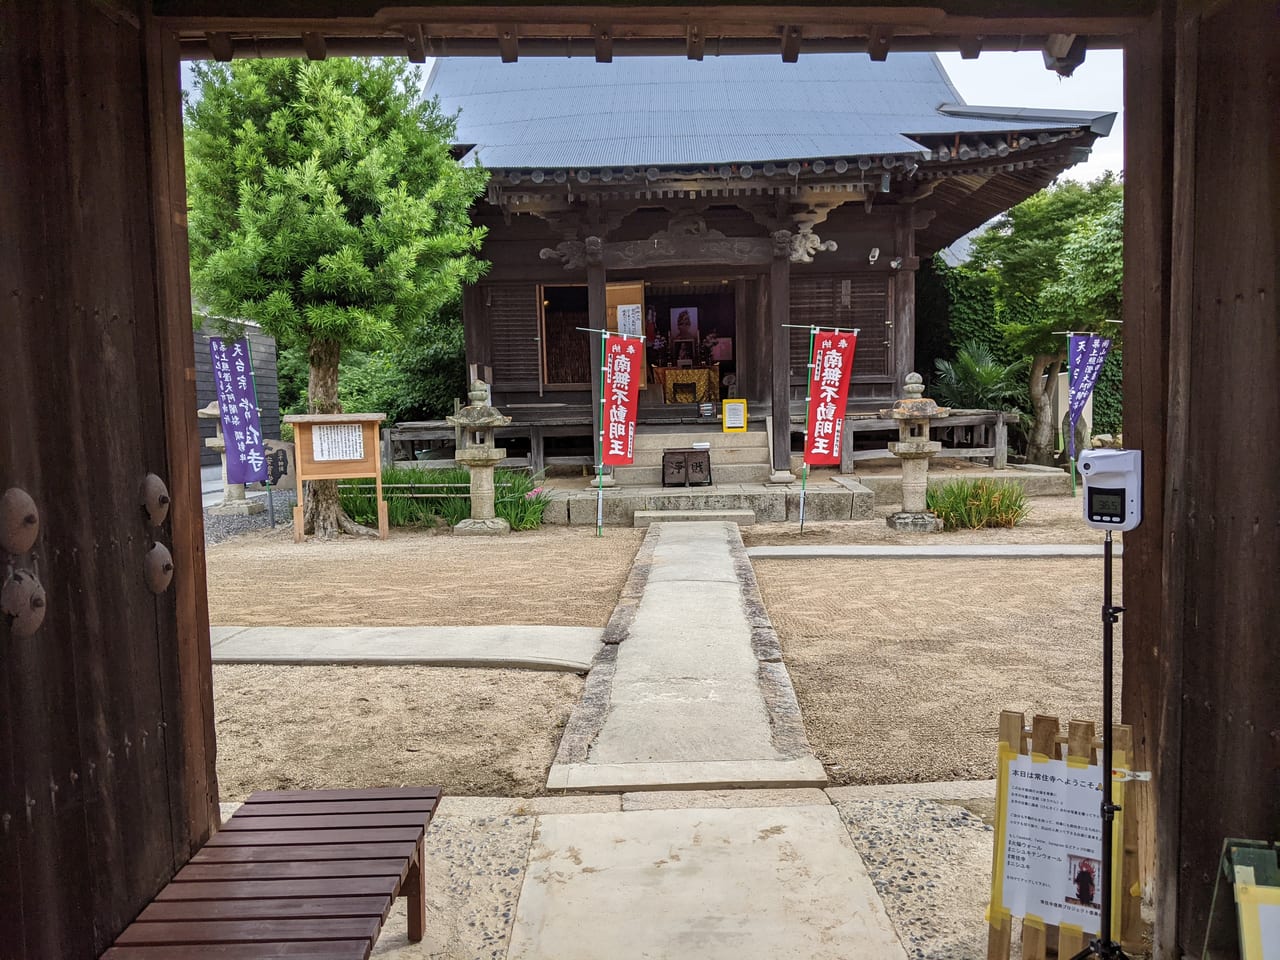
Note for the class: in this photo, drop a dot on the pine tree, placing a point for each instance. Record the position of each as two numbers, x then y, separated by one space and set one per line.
326 207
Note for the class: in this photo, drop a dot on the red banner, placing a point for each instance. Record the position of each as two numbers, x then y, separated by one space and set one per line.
622 374
828 395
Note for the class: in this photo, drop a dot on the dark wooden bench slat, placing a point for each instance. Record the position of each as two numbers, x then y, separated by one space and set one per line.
266 909
249 931
320 796
278 889
302 852
346 821
271 883
272 838
298 870
410 804
321 950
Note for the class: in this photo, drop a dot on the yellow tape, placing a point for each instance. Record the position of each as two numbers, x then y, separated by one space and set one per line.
996 913
1250 900
1077 763
1031 920
1040 757
1135 890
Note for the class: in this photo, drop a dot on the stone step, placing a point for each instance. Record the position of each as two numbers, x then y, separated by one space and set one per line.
720 473
665 440
726 454
644 518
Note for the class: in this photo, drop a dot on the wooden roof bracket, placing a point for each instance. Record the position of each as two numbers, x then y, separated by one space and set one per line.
415 43
878 41
695 41
790 44
603 37
509 42
313 42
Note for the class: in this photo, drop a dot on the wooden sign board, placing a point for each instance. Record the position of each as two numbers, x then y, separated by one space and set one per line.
337 446
624 313
733 416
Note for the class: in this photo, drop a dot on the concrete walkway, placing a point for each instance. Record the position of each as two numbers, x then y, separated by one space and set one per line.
1008 551
532 648
689 690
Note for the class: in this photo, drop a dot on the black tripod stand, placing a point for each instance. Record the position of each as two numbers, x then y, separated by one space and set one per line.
1103 946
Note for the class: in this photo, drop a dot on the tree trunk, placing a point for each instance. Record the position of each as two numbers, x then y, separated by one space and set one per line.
1044 374
324 516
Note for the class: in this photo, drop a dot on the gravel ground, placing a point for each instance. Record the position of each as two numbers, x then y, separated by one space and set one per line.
931 864
220 528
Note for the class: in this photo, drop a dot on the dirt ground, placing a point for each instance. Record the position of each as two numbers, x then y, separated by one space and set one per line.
558 576
478 732
482 732
902 667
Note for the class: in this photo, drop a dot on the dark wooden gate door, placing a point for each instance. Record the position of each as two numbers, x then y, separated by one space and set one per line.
106 780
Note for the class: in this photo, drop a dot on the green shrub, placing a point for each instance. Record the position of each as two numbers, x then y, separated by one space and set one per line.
520 500
973 504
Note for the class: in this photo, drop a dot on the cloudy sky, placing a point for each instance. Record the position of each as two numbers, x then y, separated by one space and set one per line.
1020 80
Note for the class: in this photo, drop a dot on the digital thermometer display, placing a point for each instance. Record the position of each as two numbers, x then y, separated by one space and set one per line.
1112 488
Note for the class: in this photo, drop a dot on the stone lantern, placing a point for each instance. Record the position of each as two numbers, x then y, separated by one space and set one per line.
476 450
234 502
914 412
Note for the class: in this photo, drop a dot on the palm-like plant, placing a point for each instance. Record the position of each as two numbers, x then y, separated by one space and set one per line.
976 380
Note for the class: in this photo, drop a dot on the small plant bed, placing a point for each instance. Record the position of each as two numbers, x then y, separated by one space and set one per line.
421 497
975 504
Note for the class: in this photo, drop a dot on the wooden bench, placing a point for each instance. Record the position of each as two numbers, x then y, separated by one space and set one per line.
294 873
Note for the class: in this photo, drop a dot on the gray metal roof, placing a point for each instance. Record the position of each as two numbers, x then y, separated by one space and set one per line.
665 111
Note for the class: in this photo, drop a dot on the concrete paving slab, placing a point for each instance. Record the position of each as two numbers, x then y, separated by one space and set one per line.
688 775
971 551
766 882
569 649
721 799
690 696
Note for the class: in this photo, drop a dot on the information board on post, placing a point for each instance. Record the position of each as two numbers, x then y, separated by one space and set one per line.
1048 862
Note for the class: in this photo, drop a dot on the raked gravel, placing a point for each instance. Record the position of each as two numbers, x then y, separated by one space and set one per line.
218 528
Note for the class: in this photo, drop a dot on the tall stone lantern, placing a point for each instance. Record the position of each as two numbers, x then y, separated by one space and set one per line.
914 413
476 451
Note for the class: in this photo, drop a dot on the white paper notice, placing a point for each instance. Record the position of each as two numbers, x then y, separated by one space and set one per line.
735 416
1053 843
630 319
337 441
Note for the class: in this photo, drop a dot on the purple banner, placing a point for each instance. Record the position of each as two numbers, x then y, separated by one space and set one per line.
1088 351
238 409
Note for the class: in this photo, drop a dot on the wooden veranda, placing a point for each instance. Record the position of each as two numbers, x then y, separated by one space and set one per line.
107 777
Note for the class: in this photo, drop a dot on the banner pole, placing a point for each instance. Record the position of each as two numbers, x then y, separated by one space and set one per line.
600 445
808 404
253 379
1071 427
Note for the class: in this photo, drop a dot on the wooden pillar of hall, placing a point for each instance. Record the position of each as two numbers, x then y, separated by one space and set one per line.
779 339
597 317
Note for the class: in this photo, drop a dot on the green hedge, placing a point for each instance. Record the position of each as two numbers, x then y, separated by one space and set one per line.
418 496
973 504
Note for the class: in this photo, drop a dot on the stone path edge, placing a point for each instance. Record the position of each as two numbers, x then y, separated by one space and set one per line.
972 551
785 719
